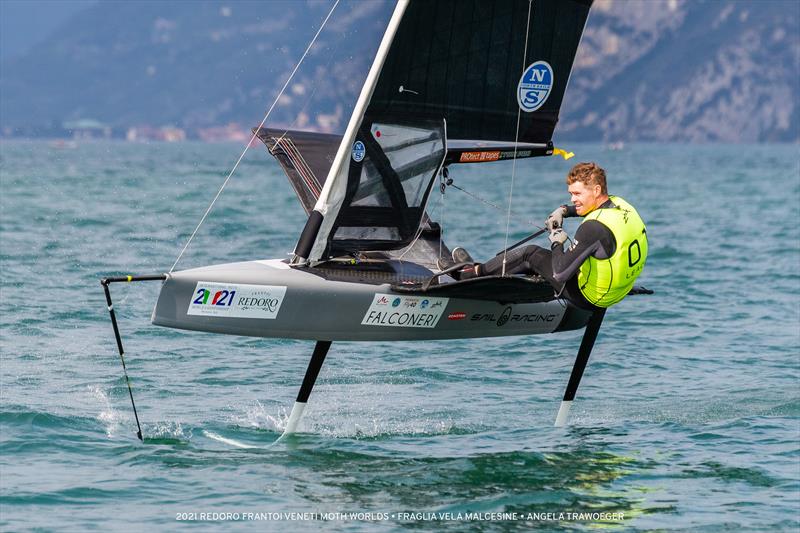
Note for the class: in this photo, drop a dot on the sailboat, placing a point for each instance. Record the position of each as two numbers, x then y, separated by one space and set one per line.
453 82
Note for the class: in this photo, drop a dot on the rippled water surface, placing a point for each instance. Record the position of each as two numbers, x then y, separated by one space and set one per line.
688 417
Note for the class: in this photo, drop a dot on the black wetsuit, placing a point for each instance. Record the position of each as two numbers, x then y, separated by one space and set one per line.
558 266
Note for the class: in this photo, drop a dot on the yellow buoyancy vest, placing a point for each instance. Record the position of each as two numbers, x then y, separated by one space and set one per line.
605 282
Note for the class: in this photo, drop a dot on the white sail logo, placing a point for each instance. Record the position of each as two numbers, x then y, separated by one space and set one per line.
534 86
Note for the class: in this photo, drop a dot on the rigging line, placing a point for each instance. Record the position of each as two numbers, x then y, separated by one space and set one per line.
516 140
419 234
316 86
261 125
413 242
473 195
495 206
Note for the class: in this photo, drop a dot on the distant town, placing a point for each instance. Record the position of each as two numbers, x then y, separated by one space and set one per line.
90 129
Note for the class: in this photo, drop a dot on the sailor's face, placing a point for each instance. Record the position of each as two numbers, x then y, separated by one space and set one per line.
585 197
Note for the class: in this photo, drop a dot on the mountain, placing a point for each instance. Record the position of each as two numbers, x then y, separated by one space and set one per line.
657 70
687 71
23 23
190 63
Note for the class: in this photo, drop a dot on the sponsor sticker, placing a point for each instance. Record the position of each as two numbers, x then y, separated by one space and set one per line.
534 86
457 316
504 317
404 311
359 151
518 153
478 157
515 318
236 300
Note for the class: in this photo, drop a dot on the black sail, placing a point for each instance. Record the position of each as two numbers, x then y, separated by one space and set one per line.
462 60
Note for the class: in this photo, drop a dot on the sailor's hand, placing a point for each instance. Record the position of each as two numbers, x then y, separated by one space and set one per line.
556 219
558 236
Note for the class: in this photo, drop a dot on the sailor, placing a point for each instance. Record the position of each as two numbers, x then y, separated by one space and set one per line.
604 259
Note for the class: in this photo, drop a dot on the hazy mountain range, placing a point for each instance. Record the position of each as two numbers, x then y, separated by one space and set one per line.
666 70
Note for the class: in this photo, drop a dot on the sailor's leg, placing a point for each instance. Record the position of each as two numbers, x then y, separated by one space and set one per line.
589 336
523 260
317 358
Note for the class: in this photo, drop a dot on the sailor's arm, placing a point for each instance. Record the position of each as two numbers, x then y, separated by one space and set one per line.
591 239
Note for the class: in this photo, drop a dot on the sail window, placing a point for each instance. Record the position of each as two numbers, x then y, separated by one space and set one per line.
388 187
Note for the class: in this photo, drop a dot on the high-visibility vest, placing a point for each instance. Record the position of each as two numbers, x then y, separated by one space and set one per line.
604 282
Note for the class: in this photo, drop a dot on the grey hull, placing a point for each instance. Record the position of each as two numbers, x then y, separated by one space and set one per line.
271 299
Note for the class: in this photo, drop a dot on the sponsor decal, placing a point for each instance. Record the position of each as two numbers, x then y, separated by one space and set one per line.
513 318
478 157
519 153
236 300
504 317
459 315
534 86
383 300
406 312
359 151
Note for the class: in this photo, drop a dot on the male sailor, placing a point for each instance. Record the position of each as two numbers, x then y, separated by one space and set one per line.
605 258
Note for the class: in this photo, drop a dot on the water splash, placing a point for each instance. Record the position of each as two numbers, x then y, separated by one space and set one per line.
340 421
168 431
108 416
258 417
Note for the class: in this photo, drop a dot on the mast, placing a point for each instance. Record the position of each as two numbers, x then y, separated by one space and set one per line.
310 246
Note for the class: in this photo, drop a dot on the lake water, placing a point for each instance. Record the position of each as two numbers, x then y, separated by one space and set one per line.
688 417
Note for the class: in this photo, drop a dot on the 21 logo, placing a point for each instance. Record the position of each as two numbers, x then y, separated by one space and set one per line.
224 298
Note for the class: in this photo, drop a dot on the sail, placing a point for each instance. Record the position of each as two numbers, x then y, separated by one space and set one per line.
305 157
392 166
491 73
464 60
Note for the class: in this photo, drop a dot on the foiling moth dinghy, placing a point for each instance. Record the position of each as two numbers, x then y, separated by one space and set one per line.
370 263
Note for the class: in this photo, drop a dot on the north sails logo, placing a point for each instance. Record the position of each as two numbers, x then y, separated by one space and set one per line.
534 86
359 151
